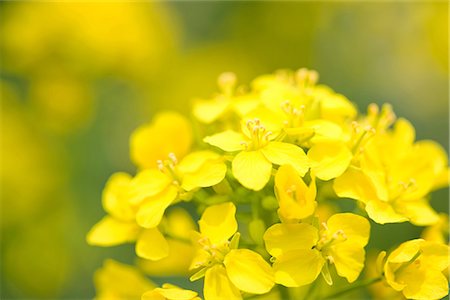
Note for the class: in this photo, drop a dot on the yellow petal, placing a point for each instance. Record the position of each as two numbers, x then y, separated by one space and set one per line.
146 184
218 222
115 197
175 264
298 268
355 184
435 255
217 285
207 111
152 245
324 131
170 132
348 259
355 228
229 140
202 169
382 213
287 154
329 159
252 169
297 201
405 252
119 281
176 293
418 212
179 223
152 209
425 284
248 271
111 232
152 295
281 238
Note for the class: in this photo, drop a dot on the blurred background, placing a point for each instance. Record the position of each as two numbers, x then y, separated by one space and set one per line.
76 79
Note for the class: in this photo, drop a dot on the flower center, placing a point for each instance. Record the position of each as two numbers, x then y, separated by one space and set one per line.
295 116
259 136
168 167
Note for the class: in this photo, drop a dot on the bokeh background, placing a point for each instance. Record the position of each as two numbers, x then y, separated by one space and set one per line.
76 79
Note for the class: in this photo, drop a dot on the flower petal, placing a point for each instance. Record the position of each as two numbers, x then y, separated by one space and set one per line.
252 169
355 228
111 232
229 140
210 171
355 184
217 285
283 153
419 212
382 213
170 132
329 160
248 271
298 268
151 211
207 111
115 197
152 245
218 222
146 184
281 238
348 259
176 293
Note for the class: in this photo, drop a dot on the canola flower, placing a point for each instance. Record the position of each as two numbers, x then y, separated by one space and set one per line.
265 169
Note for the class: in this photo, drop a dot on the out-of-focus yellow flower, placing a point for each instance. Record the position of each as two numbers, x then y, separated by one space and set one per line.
169 132
302 252
226 269
415 268
170 292
117 281
252 167
437 232
394 175
208 111
297 200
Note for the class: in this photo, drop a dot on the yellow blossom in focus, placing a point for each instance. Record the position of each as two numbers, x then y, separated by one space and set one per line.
252 166
169 132
170 292
117 281
297 200
416 269
302 252
227 270
393 176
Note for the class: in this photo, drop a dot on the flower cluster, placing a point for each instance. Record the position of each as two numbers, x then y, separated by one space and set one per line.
264 167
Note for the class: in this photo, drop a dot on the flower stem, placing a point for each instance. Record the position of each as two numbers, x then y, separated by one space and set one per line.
353 287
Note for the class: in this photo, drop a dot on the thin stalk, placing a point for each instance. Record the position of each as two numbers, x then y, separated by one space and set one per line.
354 287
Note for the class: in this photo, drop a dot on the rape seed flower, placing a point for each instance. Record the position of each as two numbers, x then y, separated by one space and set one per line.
227 269
119 281
297 201
301 251
415 268
252 166
169 132
170 292
154 190
393 177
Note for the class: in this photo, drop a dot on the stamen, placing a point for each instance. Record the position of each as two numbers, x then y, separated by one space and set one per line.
173 158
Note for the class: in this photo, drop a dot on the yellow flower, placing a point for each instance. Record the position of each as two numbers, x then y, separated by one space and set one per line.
170 292
252 167
169 132
154 190
437 232
227 270
121 226
208 111
393 176
301 253
116 281
415 268
297 201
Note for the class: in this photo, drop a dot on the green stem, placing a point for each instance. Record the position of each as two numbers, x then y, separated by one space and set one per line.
353 287
284 292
